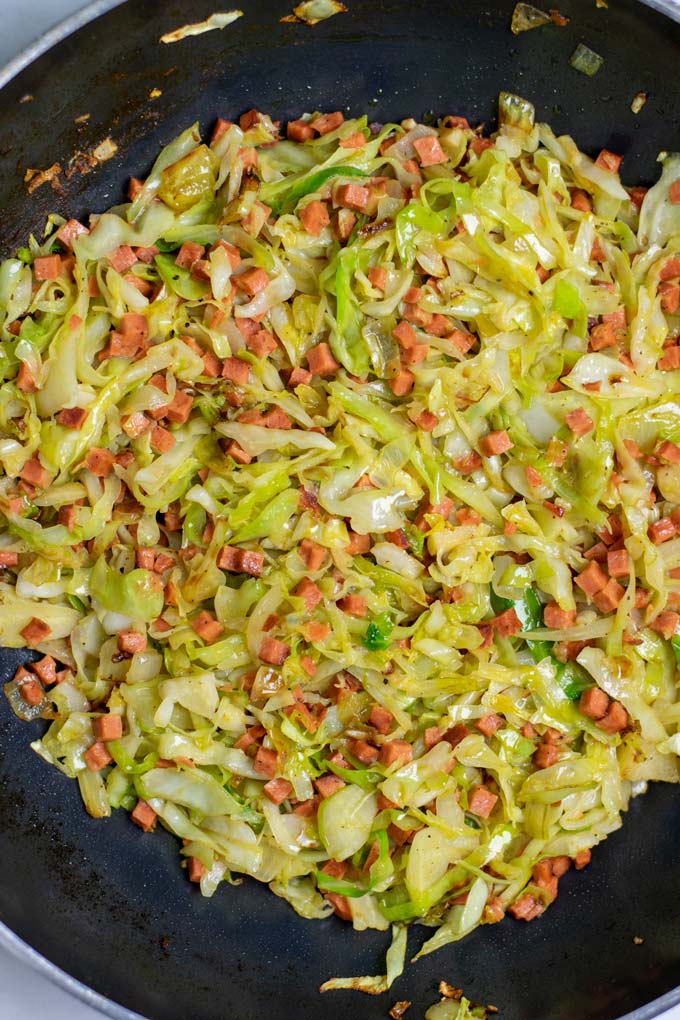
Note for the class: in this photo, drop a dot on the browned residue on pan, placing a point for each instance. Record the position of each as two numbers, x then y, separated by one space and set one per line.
80 162
36 178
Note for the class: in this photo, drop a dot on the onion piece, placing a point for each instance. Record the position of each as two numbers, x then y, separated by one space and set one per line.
218 20
311 12
585 60
525 17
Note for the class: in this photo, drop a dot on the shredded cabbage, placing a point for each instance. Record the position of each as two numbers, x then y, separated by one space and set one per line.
340 494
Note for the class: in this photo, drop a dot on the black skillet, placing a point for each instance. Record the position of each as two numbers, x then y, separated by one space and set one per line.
108 904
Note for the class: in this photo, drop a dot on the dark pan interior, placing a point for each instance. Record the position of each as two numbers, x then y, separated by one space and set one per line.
102 900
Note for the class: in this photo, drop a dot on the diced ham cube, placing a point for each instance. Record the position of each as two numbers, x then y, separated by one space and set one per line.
489 724
29 688
277 790
381 719
393 751
189 253
364 752
469 463
416 354
662 530
312 553
251 281
179 408
161 440
236 370
207 627
601 336
610 597
299 130
266 761
340 905
353 196
276 419
546 755
377 277
237 453
594 703
108 727
526 908
232 559
131 641
670 359
134 326
327 122
427 421
326 786
35 632
315 631
507 623
353 141
99 462
314 217
353 605
665 623
670 269
196 869
591 580
122 258
668 451
321 361
429 150
135 424
618 563
615 721
261 343
144 816
35 474
542 875
481 801
495 443
97 757
461 340
72 417
580 200
582 859
309 592
299 377
273 651
308 665
146 253
558 619
669 292
68 232
560 865
402 383
46 669
405 335
578 422
47 267
608 161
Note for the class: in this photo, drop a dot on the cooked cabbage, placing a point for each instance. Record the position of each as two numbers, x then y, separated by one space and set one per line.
340 491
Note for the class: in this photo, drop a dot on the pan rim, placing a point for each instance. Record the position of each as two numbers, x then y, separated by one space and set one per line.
9 940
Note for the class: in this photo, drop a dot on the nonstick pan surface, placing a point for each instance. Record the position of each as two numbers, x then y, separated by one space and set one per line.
108 904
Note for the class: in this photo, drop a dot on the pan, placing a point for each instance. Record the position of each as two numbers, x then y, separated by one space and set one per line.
101 906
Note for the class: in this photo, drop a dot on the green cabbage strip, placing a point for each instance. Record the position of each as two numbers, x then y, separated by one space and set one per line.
353 529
